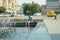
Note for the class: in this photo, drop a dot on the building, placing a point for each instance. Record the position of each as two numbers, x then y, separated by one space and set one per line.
19 9
0 2
43 12
53 5
10 5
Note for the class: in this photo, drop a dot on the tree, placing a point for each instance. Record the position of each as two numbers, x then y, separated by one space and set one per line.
26 8
33 8
2 9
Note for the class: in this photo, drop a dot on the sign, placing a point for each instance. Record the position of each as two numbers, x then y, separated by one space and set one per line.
27 11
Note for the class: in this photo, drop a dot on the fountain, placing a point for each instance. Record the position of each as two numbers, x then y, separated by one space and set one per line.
5 25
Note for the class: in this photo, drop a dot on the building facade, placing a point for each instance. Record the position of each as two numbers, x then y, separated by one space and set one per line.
10 5
53 5
0 2
20 11
43 12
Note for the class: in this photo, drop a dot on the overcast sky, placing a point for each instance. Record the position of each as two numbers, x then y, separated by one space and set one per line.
41 2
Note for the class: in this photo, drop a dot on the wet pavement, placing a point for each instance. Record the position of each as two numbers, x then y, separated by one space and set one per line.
40 32
19 34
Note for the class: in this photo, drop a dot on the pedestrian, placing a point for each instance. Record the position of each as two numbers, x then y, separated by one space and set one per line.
29 21
55 17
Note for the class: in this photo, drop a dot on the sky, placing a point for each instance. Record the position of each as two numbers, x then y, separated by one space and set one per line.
40 2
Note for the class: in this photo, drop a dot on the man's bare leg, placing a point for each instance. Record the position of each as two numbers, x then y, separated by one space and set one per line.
29 25
26 24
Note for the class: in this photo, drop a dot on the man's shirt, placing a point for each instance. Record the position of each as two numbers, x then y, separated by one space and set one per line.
30 19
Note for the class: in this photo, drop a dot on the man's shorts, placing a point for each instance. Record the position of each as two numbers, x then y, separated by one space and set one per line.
29 21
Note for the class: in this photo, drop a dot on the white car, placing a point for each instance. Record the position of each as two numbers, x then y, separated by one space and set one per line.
20 15
1 15
37 14
6 15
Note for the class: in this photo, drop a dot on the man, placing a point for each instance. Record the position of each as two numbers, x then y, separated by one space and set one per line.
55 17
29 21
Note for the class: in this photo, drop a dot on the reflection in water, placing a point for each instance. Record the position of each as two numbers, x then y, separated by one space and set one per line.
19 34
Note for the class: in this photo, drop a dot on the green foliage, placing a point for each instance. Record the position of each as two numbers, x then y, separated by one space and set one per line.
2 9
33 8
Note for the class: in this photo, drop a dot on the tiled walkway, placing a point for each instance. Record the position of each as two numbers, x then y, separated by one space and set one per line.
38 33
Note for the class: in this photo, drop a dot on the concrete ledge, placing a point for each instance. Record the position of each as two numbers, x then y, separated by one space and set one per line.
53 26
23 24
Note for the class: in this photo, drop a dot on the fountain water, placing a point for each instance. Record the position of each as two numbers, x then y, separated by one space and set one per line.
5 25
